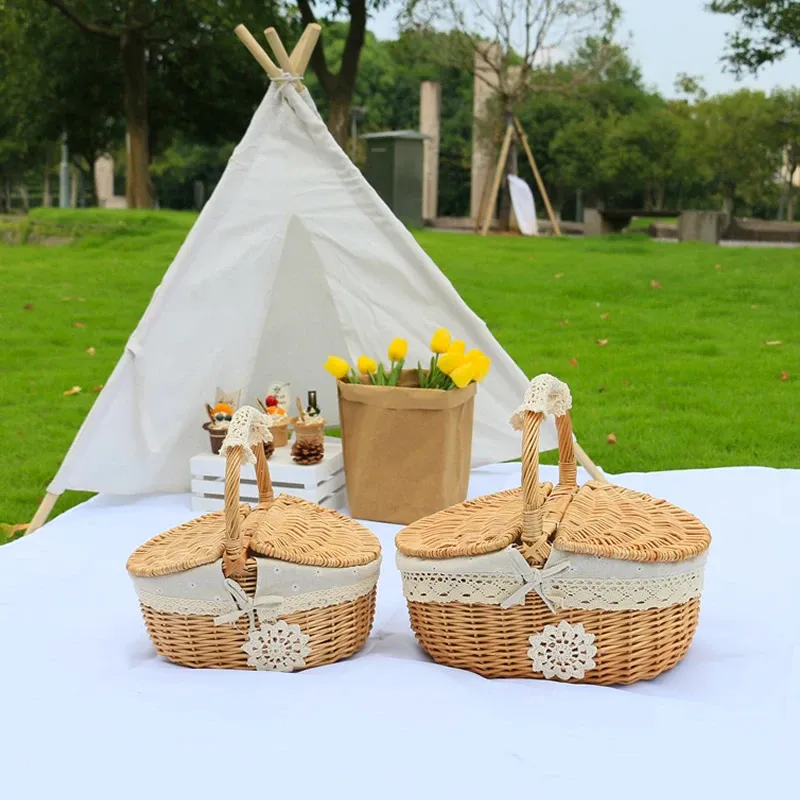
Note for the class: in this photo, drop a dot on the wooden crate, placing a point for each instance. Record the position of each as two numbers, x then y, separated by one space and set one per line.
321 483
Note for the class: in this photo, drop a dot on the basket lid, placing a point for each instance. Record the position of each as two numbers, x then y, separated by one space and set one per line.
597 519
285 528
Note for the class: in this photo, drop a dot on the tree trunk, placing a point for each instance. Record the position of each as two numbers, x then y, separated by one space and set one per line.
138 189
23 192
660 198
339 116
790 205
727 205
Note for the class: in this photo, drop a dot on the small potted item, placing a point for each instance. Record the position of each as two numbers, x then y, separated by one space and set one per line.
279 418
219 419
591 584
284 586
309 437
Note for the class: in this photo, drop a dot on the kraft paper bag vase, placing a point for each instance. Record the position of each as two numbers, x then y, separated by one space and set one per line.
406 450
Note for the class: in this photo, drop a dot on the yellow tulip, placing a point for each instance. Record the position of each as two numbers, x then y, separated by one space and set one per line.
367 365
440 343
462 375
398 349
337 367
482 368
474 355
450 361
456 346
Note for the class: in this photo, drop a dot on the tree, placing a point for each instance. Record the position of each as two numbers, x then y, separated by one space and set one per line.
141 30
52 81
517 41
339 86
769 28
739 140
787 102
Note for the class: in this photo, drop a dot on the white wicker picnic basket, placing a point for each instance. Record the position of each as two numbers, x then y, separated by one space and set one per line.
284 586
593 584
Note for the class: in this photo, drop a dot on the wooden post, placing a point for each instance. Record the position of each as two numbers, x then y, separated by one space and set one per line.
484 200
539 182
498 176
42 513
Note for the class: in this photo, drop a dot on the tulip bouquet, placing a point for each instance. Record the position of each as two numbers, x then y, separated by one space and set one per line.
450 366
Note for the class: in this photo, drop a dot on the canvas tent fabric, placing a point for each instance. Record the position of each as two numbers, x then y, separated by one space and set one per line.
524 205
293 258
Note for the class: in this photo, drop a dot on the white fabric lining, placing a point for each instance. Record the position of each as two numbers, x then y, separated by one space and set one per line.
202 590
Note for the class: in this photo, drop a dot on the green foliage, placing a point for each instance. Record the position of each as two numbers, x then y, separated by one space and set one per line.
676 357
769 29
740 143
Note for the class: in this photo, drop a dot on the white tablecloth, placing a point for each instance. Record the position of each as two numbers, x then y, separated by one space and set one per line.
89 711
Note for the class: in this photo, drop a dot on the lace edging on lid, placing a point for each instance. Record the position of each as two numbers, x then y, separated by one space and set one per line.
601 594
186 606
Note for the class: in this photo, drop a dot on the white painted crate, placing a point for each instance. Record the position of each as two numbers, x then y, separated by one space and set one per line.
321 483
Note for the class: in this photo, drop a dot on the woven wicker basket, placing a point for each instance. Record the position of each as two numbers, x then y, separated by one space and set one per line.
591 584
284 586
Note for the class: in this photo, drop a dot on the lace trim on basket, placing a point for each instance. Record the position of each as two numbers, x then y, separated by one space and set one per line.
248 428
601 594
322 598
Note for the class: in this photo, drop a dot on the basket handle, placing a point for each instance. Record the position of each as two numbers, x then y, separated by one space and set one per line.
545 395
247 432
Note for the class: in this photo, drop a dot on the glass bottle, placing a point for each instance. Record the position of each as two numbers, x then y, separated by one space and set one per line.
313 408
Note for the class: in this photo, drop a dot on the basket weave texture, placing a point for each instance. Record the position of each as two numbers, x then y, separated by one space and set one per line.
563 529
237 549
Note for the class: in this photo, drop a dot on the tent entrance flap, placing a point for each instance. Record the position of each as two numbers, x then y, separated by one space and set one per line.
302 327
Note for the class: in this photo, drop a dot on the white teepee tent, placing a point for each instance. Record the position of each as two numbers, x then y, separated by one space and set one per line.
293 258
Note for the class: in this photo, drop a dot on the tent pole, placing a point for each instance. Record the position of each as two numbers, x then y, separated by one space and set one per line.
498 176
280 53
257 51
43 512
588 464
539 182
301 54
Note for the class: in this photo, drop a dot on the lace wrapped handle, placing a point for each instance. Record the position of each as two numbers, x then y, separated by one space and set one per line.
545 395
247 433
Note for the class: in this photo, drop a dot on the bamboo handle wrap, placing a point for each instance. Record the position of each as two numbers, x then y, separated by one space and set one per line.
567 470
235 556
263 478
246 430
532 503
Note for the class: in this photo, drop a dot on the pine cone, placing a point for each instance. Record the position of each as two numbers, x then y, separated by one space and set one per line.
308 451
269 449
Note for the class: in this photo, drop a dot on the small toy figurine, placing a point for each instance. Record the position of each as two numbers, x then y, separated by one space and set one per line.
219 419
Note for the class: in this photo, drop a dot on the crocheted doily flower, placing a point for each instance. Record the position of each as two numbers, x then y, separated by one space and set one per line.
562 651
277 646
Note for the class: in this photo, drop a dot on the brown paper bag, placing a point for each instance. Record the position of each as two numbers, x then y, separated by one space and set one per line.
407 450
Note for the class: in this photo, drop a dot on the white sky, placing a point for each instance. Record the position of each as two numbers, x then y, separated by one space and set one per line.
666 38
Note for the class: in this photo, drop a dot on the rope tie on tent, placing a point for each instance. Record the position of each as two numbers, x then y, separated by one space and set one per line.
285 77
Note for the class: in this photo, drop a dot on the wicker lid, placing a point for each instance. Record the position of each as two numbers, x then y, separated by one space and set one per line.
596 519
285 528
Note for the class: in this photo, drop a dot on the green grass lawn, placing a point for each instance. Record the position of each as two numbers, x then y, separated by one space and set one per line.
684 378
